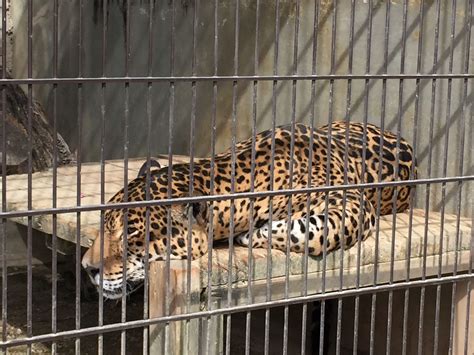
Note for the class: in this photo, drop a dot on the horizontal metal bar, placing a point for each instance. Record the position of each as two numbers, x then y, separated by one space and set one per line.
214 78
235 196
235 309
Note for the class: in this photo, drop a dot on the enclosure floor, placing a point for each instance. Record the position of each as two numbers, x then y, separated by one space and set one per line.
41 291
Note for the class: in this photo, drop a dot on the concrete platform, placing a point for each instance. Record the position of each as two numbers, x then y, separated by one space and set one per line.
248 275
67 188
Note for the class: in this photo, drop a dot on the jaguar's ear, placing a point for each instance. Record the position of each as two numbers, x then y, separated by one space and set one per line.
199 212
153 164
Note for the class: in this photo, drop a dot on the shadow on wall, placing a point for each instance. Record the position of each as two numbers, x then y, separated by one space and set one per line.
144 106
136 118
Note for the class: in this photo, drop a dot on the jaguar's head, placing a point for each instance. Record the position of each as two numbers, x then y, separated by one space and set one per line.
121 260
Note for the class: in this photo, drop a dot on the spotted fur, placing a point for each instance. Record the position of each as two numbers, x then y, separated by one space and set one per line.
315 158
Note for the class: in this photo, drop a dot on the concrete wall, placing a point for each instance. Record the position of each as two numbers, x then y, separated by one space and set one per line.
460 127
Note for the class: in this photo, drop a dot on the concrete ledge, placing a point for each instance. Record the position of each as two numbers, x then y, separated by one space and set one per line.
247 276
90 194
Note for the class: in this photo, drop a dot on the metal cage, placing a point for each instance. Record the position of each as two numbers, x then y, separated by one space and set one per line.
124 81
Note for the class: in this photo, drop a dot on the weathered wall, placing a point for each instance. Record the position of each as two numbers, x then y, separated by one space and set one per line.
460 127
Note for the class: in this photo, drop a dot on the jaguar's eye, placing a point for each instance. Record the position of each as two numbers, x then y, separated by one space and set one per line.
131 230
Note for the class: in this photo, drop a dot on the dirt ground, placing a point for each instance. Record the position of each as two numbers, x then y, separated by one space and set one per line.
41 312
17 293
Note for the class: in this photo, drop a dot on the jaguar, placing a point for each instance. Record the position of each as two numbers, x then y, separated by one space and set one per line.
285 158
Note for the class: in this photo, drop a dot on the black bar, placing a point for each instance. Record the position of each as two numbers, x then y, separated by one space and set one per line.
216 78
236 196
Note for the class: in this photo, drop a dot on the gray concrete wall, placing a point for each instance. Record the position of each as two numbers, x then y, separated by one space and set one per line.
460 127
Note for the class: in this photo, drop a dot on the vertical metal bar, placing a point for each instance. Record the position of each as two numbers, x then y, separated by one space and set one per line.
272 175
233 163
123 333
304 320
100 340
170 174
446 140
444 172
344 193
147 221
78 178
467 29
412 176
248 323
248 318
212 172
191 167
29 306
148 176
348 114
168 216
428 174
379 191
328 166
366 109
291 171
252 178
326 198
4 179
54 261
328 169
396 173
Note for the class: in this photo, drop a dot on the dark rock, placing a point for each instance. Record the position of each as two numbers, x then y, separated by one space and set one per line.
19 138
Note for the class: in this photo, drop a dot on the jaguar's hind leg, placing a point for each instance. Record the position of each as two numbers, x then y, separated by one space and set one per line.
312 227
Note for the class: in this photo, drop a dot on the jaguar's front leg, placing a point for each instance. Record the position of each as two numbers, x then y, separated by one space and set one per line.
279 234
314 229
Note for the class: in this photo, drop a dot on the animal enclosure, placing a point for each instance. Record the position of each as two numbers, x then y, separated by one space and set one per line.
129 82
